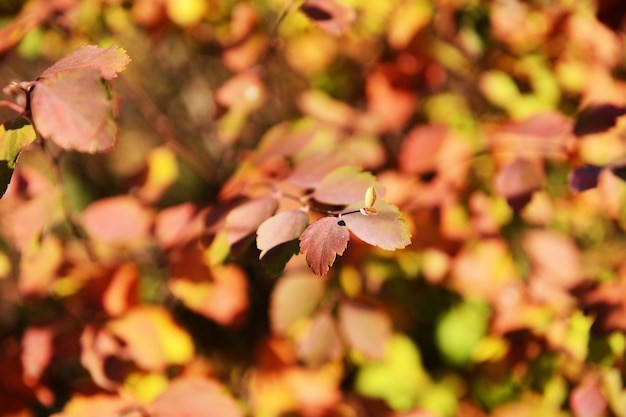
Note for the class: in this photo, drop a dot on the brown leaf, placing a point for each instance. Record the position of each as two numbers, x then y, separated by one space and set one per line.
322 241
195 396
101 355
329 15
517 180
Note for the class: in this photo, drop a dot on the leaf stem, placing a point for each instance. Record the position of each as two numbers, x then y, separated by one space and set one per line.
13 106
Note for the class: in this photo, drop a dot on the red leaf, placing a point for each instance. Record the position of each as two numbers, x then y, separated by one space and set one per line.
280 228
329 15
107 62
117 220
294 297
345 185
385 229
246 218
100 353
365 329
598 118
322 241
195 396
74 111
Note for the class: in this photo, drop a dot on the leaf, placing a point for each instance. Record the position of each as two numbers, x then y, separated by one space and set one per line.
37 352
14 136
74 111
280 228
329 15
117 220
399 379
294 297
153 340
322 342
245 219
195 396
223 299
314 167
365 329
584 178
597 118
322 241
97 405
345 185
106 62
517 180
420 149
588 399
385 229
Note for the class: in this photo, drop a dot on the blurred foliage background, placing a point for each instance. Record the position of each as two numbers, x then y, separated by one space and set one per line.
510 301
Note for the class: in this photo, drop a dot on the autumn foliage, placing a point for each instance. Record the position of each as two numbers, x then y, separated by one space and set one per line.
312 208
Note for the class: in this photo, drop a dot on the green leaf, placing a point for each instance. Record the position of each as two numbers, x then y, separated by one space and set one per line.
398 379
14 136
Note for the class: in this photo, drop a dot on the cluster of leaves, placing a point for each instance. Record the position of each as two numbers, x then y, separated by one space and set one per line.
316 208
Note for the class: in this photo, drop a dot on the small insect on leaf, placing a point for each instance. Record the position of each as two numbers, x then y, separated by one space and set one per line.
370 199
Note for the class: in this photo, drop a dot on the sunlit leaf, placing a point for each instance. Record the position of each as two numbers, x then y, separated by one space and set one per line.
398 379
195 396
100 404
385 229
345 185
460 329
312 169
14 136
322 241
152 338
365 329
293 298
280 228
